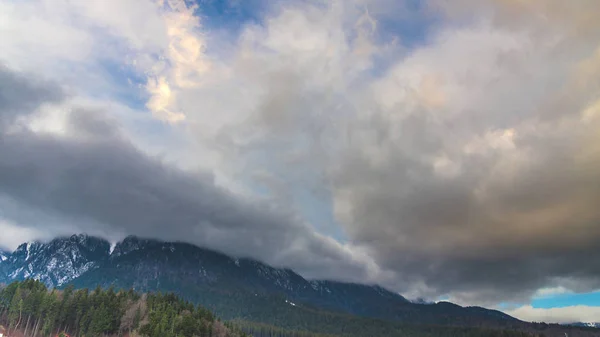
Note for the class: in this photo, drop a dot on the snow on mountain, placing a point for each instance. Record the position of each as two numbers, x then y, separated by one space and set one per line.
112 248
55 263
63 260
3 255
220 280
586 324
319 286
128 245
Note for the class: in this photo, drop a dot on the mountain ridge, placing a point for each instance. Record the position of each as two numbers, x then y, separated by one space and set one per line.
233 287
133 243
585 324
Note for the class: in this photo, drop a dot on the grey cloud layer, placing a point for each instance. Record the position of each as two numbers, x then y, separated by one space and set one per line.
94 177
488 200
469 167
19 94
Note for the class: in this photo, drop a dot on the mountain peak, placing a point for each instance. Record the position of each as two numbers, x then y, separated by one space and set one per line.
56 262
3 255
585 324
80 238
129 244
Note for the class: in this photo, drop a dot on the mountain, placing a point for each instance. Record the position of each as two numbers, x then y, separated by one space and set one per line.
55 263
3 255
218 281
127 313
586 325
242 289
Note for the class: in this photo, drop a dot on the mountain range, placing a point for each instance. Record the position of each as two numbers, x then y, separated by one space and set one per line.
234 288
586 324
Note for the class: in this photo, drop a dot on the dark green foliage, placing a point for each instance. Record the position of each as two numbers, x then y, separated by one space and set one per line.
358 327
249 290
232 288
29 307
169 315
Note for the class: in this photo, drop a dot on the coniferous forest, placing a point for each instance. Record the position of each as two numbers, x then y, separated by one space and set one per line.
29 308
32 310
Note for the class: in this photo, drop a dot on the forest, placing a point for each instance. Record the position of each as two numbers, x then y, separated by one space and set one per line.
29 308
32 310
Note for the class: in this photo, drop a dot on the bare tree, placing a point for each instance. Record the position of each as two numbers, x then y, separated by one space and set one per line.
128 319
219 330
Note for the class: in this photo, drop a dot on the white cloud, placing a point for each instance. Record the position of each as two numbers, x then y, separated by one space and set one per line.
549 292
571 314
51 36
183 65
13 235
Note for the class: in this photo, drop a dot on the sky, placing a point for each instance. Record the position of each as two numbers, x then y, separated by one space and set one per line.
442 149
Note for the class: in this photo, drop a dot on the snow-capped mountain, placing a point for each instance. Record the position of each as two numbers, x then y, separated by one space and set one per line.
586 324
3 255
55 263
232 287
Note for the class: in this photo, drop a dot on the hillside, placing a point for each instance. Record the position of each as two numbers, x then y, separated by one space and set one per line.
28 308
241 289
218 281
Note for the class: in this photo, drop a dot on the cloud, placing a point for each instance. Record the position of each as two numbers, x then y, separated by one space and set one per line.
549 292
93 177
440 168
50 34
20 94
465 181
466 165
183 64
572 314
11 234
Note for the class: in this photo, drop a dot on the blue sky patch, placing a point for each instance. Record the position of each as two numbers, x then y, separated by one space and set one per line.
567 300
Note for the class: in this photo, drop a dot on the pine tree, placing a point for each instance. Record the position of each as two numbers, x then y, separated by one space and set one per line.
16 309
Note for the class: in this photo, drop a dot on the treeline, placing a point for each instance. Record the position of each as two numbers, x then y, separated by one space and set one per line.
385 330
264 330
33 310
271 316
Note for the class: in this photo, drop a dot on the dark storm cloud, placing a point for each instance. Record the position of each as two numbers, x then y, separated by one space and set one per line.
488 234
94 178
488 214
20 94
